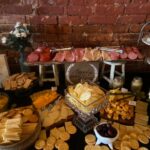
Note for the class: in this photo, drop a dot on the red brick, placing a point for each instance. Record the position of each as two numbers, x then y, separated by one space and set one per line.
64 37
128 36
79 10
100 37
62 2
34 3
131 19
139 1
76 2
11 19
101 19
33 20
138 9
87 29
16 9
91 2
72 20
47 2
12 2
109 10
37 28
135 28
113 1
114 28
148 18
50 10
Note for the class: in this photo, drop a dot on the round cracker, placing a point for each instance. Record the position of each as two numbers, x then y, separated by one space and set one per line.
71 129
125 148
96 147
90 138
134 144
133 135
58 142
65 136
103 147
48 147
51 140
39 144
147 133
117 145
63 146
143 148
143 139
88 147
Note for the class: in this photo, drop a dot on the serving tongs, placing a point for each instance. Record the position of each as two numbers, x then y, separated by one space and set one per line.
61 49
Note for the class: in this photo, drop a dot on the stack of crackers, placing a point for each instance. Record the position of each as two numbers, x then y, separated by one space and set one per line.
57 138
60 112
19 81
141 116
16 124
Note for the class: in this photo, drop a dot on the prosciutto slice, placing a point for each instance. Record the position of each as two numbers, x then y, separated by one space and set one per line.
59 57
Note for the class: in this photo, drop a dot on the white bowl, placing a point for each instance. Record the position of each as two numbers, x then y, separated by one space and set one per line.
105 140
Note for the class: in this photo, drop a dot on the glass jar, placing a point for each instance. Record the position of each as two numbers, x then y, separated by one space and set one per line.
136 84
118 82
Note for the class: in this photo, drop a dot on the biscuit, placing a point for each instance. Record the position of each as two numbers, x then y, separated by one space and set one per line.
90 138
143 139
39 144
63 146
134 144
71 129
88 147
64 136
143 148
103 147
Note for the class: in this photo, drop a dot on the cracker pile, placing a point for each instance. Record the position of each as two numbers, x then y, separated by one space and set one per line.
60 112
57 138
17 124
19 81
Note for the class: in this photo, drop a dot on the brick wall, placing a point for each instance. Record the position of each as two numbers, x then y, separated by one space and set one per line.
77 22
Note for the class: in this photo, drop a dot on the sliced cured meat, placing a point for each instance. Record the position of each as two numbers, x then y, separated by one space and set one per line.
33 57
88 55
96 54
59 57
135 49
69 56
79 53
45 57
124 55
132 55
114 55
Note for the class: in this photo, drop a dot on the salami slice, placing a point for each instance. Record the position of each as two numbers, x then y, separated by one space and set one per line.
132 55
124 55
33 57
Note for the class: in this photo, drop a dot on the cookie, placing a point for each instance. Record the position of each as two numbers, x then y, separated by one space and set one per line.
64 136
88 147
90 138
63 146
142 148
103 147
134 144
143 139
39 144
71 129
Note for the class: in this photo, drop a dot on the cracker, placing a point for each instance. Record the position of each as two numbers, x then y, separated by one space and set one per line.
147 133
51 140
33 118
64 136
117 145
43 134
68 123
143 139
125 148
48 147
39 144
103 147
27 112
143 148
62 129
63 146
58 142
55 132
88 147
96 147
90 138
134 144
71 129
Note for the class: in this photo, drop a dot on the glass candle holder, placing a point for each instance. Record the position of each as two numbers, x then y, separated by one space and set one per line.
136 84
118 82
